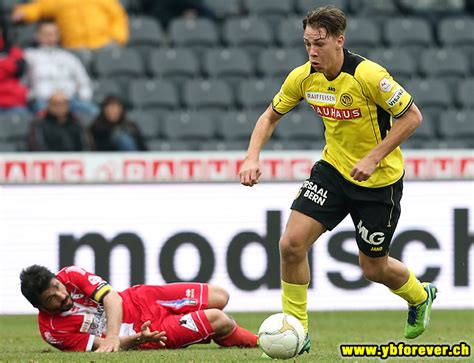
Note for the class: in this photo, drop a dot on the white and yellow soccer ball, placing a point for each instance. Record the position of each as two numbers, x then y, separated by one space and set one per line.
281 336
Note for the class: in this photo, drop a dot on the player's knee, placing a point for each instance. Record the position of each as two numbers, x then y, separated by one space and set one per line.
372 271
218 297
291 249
220 322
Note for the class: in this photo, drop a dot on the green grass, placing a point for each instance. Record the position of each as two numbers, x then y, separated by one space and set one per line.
20 340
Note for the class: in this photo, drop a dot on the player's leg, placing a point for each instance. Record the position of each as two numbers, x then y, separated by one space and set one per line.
300 233
227 333
375 214
317 207
218 297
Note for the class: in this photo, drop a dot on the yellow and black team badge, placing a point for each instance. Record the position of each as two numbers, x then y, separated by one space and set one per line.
346 99
299 193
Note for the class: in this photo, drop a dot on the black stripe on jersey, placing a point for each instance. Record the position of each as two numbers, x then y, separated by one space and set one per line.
400 114
351 61
383 118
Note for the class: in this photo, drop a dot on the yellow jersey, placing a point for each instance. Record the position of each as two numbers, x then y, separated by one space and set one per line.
356 107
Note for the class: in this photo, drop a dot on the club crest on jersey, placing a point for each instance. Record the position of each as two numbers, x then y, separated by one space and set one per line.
385 85
346 99
187 321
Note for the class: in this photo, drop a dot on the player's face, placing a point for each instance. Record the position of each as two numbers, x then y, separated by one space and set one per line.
56 299
322 48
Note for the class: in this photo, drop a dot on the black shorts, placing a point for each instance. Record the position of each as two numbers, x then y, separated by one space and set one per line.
328 198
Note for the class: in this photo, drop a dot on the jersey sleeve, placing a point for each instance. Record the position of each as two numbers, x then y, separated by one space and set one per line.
69 342
381 88
92 285
290 93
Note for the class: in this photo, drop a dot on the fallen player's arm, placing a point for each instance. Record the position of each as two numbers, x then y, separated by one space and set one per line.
134 340
113 310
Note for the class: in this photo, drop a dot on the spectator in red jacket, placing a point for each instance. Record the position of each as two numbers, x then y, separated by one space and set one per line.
13 94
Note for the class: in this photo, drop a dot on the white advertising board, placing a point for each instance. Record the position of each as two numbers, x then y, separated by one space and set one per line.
227 234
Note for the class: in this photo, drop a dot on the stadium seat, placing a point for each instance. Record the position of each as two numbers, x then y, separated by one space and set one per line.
273 11
457 124
362 32
303 6
24 35
456 31
14 131
278 62
428 130
224 9
103 87
374 7
257 93
153 94
222 145
229 64
250 33
302 124
290 32
189 126
176 64
195 33
465 93
170 146
432 93
237 125
146 34
408 32
398 62
210 94
148 122
118 63
444 62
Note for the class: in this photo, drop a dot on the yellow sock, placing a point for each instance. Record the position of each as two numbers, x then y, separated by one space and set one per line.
294 299
412 291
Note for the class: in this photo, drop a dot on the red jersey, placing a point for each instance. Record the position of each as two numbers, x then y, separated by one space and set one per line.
75 329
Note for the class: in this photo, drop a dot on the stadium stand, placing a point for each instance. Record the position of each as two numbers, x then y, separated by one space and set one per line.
233 65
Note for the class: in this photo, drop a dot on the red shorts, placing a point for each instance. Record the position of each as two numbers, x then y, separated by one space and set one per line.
177 309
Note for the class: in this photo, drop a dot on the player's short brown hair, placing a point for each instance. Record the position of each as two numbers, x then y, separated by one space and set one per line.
328 17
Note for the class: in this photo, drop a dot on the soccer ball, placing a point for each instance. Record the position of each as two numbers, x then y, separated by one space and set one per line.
281 336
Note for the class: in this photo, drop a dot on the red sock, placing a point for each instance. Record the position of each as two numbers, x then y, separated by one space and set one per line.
238 337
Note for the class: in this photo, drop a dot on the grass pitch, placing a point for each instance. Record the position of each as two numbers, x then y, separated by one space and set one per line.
20 340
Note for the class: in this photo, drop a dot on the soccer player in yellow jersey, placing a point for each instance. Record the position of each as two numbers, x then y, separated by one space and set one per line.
361 170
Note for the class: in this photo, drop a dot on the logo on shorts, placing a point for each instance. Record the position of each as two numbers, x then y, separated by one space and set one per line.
177 303
314 192
190 293
187 321
375 238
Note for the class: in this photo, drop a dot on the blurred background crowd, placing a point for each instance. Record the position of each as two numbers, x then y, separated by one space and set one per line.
136 75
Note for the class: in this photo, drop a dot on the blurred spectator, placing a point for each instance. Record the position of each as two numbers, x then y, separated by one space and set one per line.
13 94
89 24
166 10
59 129
51 69
112 131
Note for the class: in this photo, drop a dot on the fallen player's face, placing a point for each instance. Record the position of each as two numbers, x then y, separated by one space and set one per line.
56 299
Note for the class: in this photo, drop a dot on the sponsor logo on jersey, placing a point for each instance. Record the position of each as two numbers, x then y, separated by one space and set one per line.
321 97
392 101
94 280
187 321
385 85
332 89
177 303
52 340
338 113
374 238
346 99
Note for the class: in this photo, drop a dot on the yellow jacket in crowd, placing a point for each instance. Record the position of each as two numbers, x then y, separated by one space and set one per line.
82 23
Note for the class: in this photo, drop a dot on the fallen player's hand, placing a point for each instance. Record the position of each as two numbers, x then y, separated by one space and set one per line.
152 336
109 344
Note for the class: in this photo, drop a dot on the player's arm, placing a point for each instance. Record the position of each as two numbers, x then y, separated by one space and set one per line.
266 123
134 340
399 132
113 310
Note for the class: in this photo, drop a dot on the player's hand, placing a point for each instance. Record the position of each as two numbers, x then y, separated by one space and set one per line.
250 172
109 344
152 336
364 168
